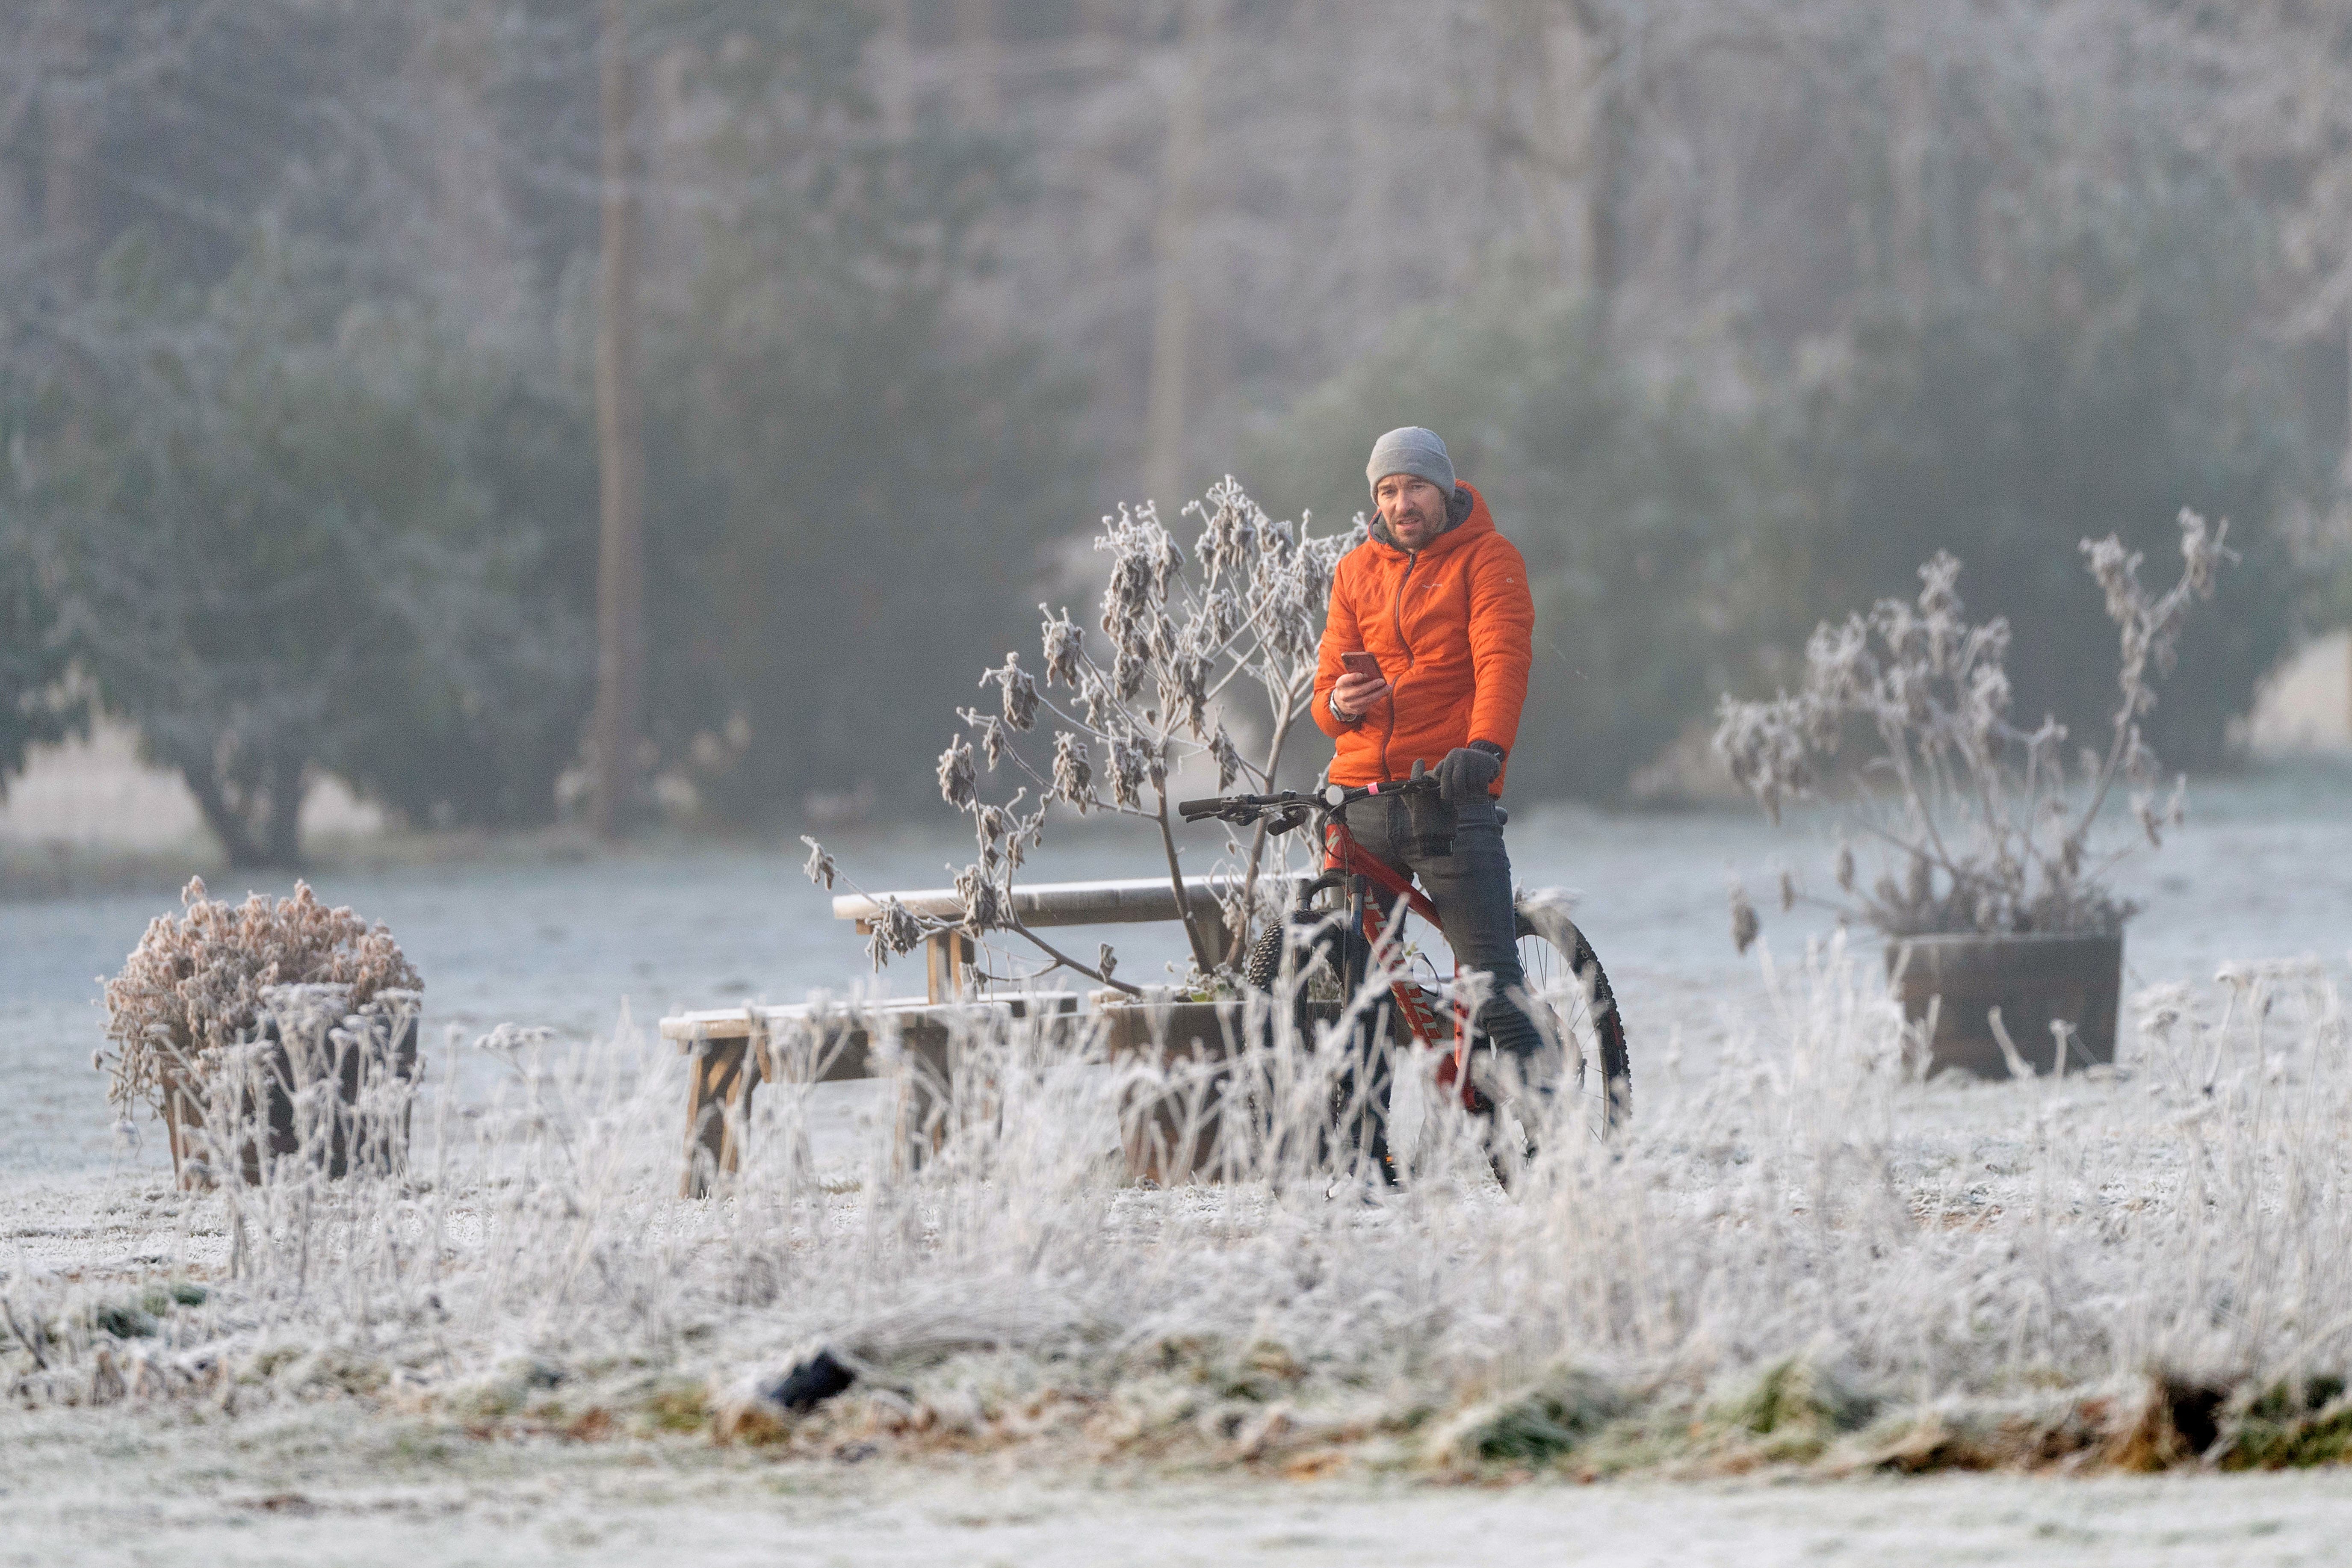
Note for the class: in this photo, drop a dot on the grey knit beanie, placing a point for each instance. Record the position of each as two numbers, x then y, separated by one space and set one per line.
1411 451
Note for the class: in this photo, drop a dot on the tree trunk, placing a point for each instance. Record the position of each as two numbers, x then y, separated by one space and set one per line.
1613 138
282 829
256 834
1171 316
224 824
620 451
894 53
69 173
977 62
1608 148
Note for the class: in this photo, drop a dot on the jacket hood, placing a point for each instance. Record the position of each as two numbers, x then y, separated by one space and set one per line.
1466 517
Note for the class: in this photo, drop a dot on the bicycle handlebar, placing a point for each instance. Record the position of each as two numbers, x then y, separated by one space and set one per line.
1331 797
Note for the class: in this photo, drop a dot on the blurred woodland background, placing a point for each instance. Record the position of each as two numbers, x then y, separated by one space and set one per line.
381 381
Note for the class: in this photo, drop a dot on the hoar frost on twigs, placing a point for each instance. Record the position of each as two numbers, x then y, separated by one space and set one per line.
1984 826
193 987
1201 646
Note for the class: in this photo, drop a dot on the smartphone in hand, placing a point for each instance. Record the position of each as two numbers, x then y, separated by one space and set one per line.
1361 663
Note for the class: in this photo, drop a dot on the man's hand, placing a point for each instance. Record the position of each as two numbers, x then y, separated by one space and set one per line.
1355 693
1466 772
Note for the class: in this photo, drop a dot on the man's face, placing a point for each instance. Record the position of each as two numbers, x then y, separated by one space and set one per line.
1414 509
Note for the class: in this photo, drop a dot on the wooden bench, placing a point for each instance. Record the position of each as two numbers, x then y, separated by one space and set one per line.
735 1047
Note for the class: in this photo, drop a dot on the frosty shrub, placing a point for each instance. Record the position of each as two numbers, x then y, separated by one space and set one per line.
193 988
1983 825
1206 656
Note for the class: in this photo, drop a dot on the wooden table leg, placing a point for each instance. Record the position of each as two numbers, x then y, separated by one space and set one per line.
718 1099
947 958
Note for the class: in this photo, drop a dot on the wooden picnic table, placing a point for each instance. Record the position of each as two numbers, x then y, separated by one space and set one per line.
734 1049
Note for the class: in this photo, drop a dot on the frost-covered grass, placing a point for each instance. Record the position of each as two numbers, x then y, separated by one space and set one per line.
1799 1258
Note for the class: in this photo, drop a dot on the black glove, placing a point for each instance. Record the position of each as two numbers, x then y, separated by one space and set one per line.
1468 770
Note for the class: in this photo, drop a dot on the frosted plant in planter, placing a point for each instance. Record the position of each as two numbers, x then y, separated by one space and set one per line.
214 1017
1982 828
1206 656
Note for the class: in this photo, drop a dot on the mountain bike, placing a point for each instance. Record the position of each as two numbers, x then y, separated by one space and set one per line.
1351 916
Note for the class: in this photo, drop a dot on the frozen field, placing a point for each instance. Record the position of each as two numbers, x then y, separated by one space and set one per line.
2263 871
285 1492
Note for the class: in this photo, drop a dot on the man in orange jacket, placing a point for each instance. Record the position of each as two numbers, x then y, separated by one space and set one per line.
1440 599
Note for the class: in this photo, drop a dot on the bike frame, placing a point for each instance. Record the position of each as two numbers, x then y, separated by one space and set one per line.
1362 871
1354 871
1349 870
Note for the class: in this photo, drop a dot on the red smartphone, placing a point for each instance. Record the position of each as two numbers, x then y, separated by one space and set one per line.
1361 663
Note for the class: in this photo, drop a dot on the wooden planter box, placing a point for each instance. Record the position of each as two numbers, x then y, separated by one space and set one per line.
1172 1139
361 1062
2034 981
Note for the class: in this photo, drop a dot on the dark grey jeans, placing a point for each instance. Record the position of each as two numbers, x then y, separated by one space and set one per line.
1472 889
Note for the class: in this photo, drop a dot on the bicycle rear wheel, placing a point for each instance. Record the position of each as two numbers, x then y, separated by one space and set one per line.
1564 979
1312 951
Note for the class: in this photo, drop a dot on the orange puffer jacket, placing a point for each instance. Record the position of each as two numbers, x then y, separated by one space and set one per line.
1452 627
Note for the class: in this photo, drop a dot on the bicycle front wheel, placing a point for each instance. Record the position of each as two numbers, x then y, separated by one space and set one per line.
1566 981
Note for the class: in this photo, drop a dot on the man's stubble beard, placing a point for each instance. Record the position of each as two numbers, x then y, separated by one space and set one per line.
1427 526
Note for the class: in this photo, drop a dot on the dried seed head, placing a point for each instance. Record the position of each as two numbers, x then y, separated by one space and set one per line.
985 908
991 734
1229 759
1231 526
1185 693
1074 774
957 778
1846 866
2202 553
895 932
1023 833
820 866
1744 923
1788 891
1131 765
989 824
1063 646
1221 615
2117 571
1020 692
1094 697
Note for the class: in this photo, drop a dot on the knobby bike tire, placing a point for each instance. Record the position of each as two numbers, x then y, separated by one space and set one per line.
1359 1097
1551 923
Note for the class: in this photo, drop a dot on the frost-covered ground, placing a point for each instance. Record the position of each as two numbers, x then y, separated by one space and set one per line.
112 1490
2007 1200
